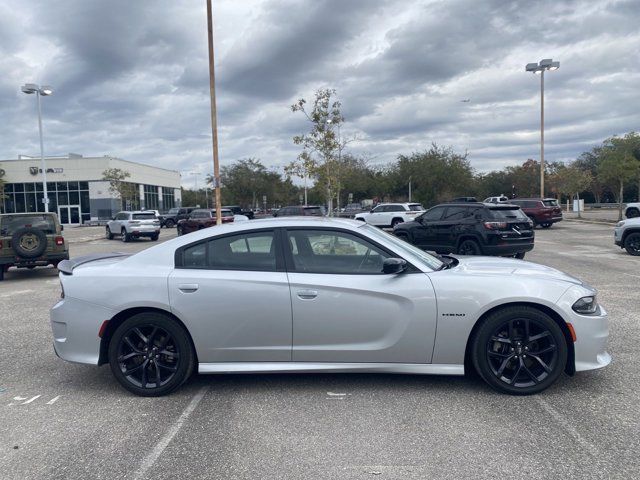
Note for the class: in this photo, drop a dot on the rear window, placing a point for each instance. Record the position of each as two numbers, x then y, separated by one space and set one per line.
507 214
144 216
14 223
550 203
226 213
415 207
314 211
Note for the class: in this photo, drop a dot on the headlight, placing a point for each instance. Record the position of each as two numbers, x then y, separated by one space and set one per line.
586 306
620 224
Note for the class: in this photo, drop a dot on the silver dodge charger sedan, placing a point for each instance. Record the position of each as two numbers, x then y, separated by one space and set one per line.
322 295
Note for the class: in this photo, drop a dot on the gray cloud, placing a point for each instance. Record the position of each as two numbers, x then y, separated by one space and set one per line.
131 78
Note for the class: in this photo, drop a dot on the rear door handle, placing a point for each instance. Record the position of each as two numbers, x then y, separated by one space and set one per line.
307 294
188 287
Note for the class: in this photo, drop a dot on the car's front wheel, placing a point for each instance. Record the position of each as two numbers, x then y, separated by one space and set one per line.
169 223
632 244
519 350
150 354
469 247
108 234
124 236
179 230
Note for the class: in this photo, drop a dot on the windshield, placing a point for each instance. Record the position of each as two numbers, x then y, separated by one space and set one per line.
416 207
508 214
550 203
41 222
429 260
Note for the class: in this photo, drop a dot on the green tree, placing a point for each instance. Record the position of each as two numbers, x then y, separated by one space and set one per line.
618 164
572 180
126 191
321 146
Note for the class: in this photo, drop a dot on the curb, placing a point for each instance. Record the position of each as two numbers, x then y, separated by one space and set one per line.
595 222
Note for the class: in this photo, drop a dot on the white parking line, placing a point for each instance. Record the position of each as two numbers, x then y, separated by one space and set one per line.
167 437
569 428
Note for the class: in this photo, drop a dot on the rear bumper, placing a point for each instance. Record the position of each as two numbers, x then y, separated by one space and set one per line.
510 249
145 233
34 262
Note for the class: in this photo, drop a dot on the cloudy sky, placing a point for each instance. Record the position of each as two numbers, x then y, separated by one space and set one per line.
131 77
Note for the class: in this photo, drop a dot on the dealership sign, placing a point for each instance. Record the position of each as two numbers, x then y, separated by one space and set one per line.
36 170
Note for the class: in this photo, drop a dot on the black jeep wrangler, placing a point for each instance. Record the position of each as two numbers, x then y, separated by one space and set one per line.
29 240
471 229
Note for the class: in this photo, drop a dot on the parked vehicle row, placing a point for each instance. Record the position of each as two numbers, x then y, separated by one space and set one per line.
391 214
544 212
130 225
202 218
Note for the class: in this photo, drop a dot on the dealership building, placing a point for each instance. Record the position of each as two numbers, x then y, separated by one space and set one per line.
77 191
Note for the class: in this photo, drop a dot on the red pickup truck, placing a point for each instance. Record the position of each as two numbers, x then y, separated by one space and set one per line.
202 218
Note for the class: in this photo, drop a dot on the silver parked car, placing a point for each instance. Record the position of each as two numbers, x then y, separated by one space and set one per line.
322 295
130 225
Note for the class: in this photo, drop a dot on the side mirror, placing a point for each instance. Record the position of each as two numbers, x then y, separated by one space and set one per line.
113 218
394 265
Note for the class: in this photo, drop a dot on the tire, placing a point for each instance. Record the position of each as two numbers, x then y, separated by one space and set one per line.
469 247
519 350
403 236
632 244
124 236
395 222
632 213
545 225
134 362
1 273
169 223
535 223
179 230
108 234
154 238
29 242
519 255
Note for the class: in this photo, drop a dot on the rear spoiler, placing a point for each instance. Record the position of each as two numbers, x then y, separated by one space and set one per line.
67 266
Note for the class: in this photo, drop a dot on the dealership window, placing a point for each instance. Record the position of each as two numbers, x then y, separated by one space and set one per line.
168 200
151 197
27 197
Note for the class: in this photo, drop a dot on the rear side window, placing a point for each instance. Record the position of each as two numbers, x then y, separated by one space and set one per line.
507 214
550 203
313 211
456 213
415 207
252 251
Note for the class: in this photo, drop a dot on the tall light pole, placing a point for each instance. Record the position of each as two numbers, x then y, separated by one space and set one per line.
539 69
45 90
214 116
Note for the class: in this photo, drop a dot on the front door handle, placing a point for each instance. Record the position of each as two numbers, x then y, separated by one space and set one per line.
188 287
307 294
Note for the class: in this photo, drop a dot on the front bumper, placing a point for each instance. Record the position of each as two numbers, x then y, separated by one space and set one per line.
592 332
617 237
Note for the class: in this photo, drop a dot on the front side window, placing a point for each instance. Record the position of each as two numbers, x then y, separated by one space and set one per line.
334 252
433 215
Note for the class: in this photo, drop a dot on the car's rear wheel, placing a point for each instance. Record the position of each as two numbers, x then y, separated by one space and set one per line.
180 230
469 247
519 255
150 354
545 225
395 222
124 236
632 244
154 238
169 223
519 350
633 213
108 234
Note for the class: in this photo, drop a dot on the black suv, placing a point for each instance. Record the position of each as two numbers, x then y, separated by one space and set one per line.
171 218
238 210
471 229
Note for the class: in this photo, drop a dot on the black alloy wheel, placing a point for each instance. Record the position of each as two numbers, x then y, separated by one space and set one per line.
108 234
632 244
150 355
520 351
469 247
169 223
124 236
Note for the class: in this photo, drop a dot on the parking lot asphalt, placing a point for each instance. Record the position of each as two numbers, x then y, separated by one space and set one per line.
66 421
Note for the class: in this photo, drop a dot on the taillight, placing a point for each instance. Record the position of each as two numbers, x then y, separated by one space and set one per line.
495 225
59 241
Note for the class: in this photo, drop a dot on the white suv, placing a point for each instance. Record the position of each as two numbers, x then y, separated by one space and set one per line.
129 225
627 235
391 214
